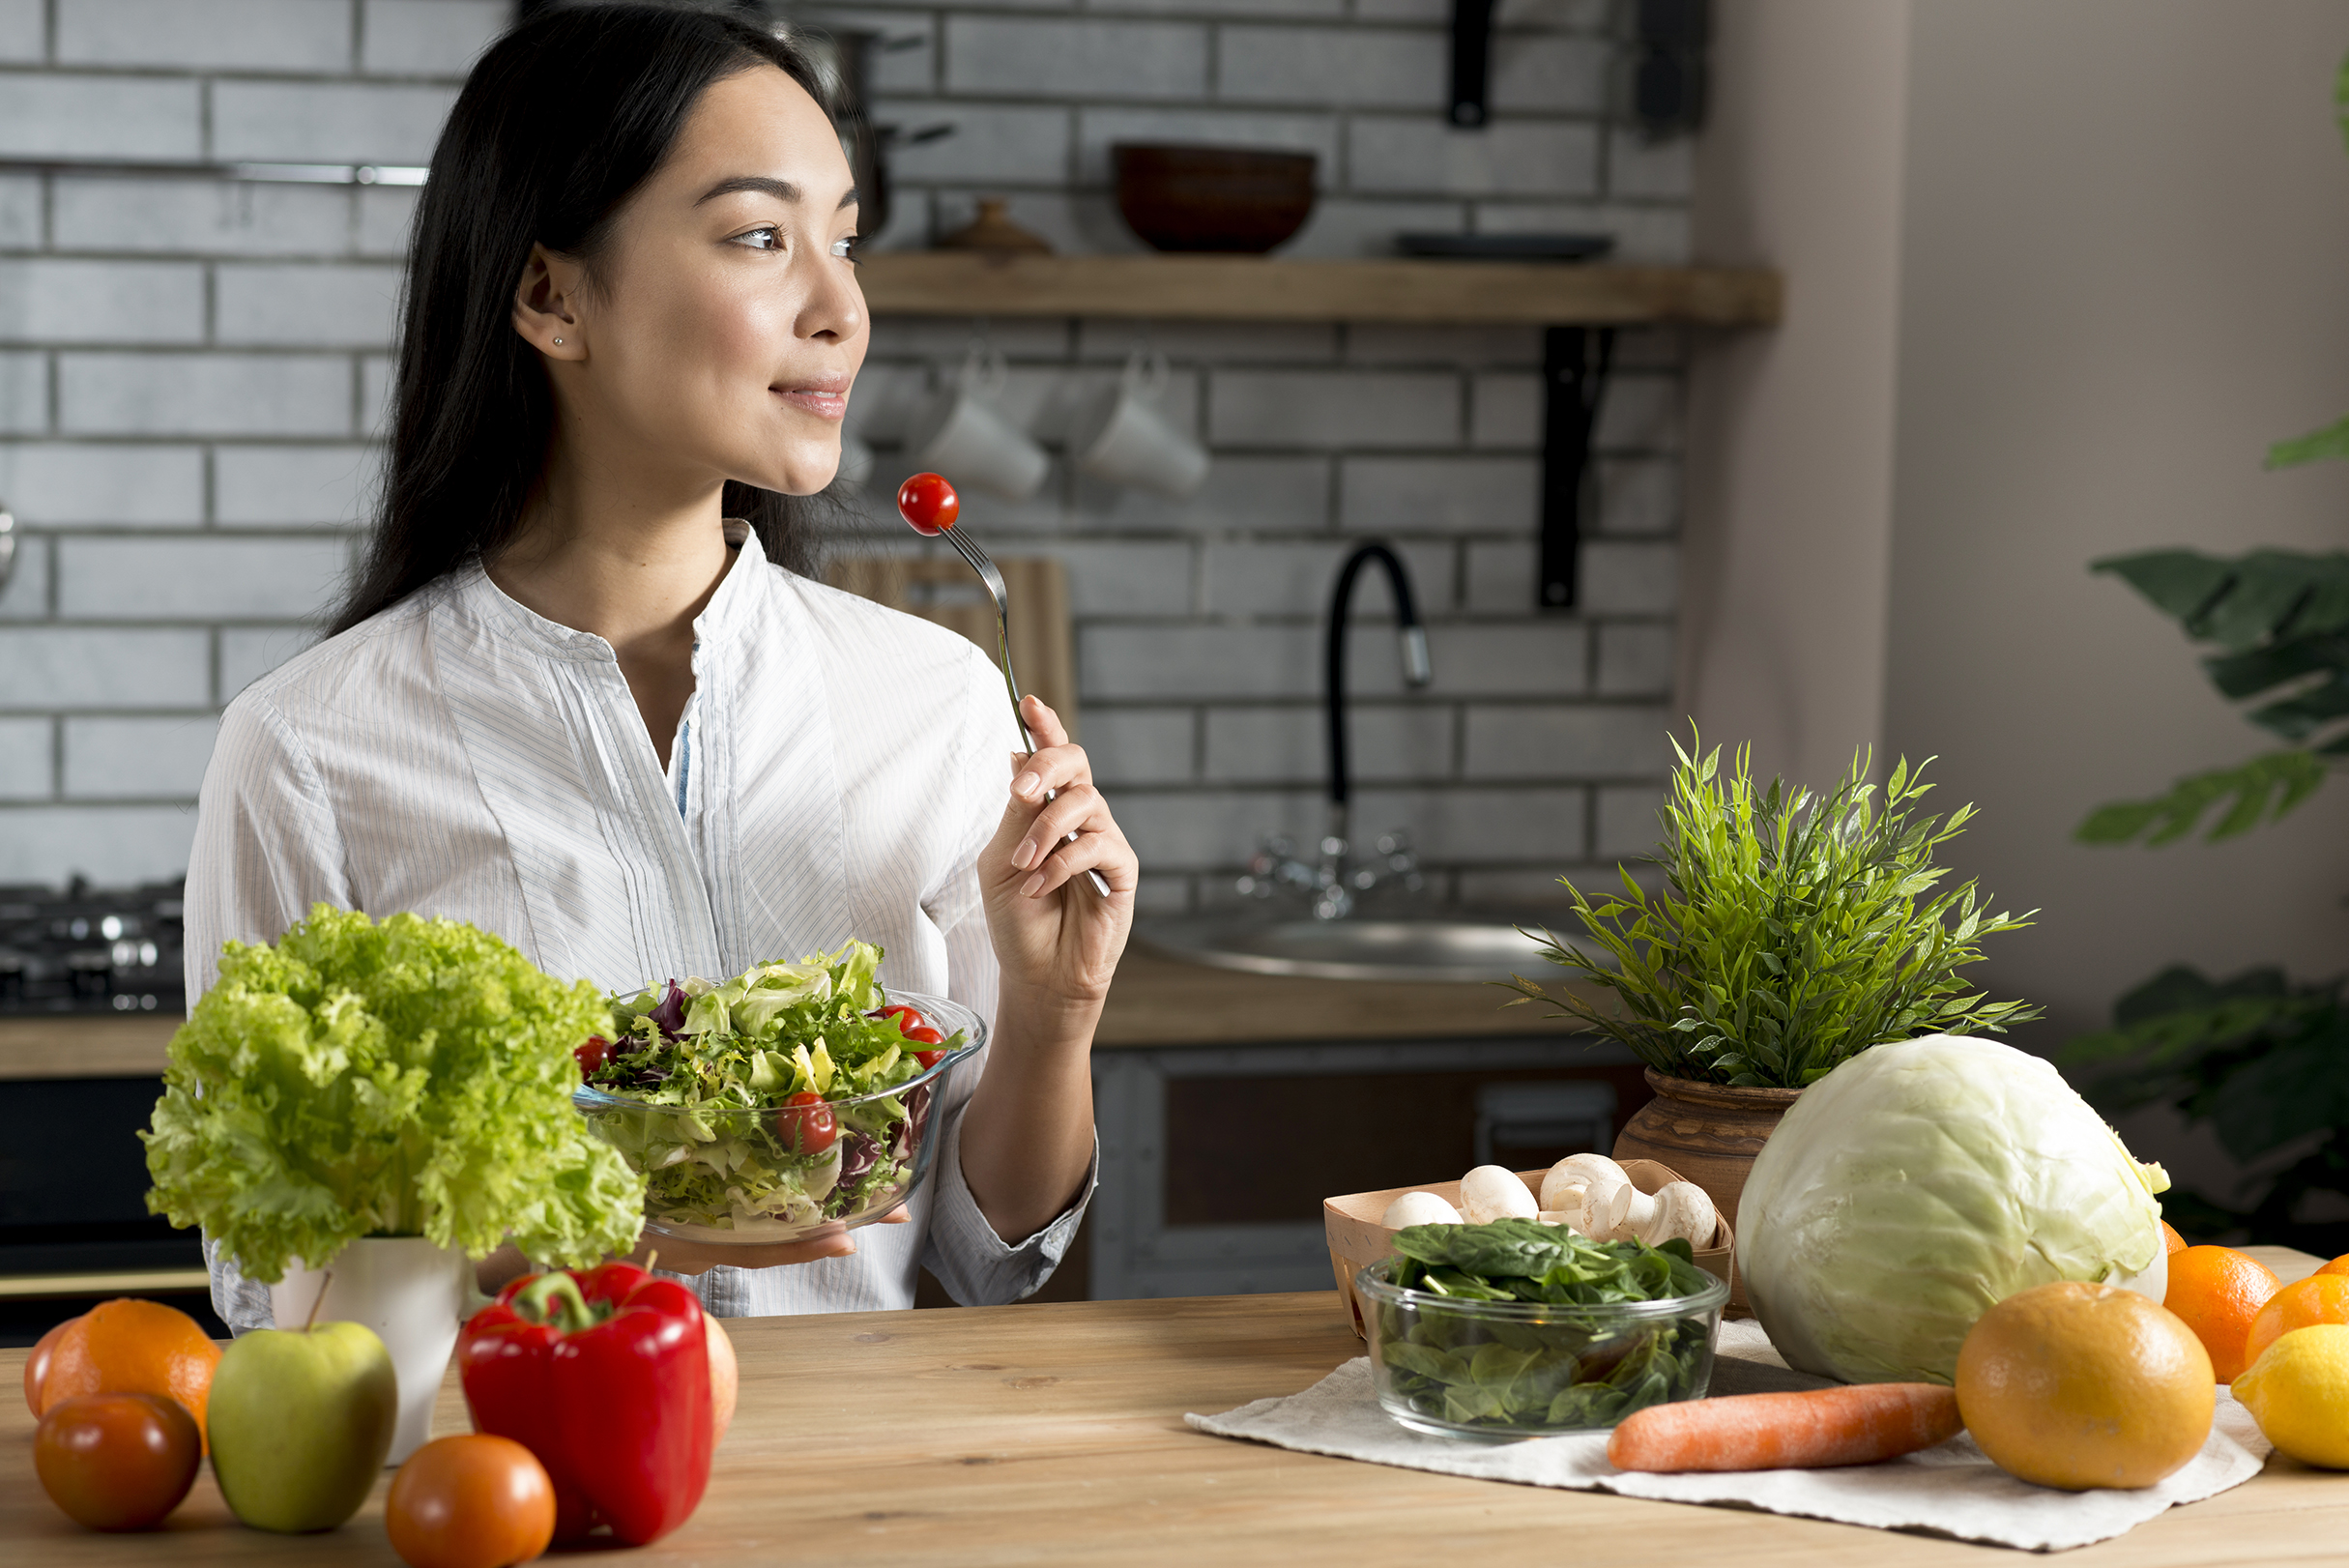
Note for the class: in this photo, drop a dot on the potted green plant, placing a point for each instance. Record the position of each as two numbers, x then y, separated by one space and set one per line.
382 1101
1791 931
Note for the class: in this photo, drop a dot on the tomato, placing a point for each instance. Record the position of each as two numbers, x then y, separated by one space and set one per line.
593 1055
907 1017
117 1462
929 1059
805 1122
37 1364
929 504
925 1036
470 1502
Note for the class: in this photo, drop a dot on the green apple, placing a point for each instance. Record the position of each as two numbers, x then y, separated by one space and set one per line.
301 1422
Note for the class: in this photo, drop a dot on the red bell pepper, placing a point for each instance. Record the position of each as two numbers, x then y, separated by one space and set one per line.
604 1375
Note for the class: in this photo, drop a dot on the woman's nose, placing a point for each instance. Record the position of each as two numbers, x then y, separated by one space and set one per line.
834 308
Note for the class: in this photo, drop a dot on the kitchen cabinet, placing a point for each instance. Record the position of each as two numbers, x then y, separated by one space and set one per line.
1230 1104
1054 1434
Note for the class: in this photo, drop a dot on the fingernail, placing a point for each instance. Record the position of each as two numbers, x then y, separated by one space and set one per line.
1025 855
1027 888
1027 787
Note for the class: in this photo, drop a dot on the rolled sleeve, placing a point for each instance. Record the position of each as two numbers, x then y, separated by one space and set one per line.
978 1267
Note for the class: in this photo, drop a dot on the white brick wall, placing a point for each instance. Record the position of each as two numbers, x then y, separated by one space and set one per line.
193 374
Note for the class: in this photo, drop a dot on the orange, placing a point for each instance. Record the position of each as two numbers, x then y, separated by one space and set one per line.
2171 1240
2079 1385
133 1347
2338 1266
2218 1291
2320 1299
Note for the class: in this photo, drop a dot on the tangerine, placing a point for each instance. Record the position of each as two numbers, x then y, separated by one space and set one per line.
2077 1385
2171 1241
2217 1292
2338 1266
2320 1299
133 1347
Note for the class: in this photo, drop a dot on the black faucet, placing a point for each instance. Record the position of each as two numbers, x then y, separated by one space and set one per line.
1416 672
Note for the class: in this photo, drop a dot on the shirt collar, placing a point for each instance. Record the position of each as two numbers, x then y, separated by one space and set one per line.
732 605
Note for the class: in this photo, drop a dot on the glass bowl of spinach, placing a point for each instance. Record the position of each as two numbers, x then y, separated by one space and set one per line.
1521 1328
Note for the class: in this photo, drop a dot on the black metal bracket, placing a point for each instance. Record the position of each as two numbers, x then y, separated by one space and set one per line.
1471 61
1575 362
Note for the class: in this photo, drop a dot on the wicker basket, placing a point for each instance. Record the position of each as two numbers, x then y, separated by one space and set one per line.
1357 1241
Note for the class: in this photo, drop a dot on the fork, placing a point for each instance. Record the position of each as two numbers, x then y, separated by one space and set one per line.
935 500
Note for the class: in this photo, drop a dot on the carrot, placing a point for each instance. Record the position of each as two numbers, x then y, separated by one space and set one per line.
1858 1425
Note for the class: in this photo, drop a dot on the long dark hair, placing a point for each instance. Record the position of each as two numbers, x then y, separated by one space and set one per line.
561 120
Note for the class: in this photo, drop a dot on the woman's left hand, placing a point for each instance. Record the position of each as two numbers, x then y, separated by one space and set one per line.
1054 934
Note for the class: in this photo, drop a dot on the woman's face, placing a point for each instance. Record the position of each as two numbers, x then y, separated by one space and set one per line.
718 331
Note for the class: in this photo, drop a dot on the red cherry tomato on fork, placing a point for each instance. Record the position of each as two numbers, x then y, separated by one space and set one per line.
806 1124
593 1055
929 504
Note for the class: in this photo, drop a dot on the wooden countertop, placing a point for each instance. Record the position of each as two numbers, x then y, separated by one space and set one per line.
1156 1003
1163 1002
86 1045
1054 1434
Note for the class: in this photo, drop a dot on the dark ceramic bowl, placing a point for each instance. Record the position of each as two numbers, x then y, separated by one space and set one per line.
1212 198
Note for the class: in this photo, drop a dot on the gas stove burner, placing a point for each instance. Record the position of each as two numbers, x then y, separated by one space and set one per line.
91 950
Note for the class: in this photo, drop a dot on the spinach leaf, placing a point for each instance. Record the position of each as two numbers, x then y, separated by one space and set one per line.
1575 1369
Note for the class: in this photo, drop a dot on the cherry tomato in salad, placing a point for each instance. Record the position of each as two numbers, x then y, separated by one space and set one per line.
805 1122
907 1017
928 502
929 1059
593 1055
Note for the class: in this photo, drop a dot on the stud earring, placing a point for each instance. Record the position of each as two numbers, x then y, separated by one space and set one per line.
558 343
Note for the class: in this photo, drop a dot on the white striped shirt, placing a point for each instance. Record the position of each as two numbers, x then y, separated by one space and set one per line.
840 767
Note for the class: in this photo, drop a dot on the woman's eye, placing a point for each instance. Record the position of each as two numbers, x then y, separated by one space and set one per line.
846 247
761 239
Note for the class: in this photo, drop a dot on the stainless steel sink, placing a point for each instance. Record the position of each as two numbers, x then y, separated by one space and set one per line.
1454 947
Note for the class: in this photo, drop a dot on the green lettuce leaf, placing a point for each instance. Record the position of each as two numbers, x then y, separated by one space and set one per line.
408 1078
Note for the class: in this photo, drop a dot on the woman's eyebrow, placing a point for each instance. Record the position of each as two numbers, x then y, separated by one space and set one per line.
780 190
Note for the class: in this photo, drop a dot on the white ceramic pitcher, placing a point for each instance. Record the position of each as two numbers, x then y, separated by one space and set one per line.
412 1292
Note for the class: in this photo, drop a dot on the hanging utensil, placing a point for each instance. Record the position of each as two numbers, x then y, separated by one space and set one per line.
929 505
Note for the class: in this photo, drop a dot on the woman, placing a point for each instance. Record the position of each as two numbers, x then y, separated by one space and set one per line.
569 701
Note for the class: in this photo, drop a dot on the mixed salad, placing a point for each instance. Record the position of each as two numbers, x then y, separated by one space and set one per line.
774 1103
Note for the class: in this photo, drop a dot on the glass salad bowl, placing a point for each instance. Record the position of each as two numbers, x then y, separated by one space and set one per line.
1455 1367
758 1175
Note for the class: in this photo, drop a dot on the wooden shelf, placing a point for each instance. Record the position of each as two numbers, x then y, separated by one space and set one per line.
1258 288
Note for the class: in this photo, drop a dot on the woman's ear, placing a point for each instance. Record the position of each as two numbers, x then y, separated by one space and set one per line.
544 302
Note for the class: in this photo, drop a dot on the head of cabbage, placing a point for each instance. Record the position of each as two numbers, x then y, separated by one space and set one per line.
1919 1184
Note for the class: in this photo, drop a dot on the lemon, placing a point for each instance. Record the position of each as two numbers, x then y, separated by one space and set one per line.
2298 1392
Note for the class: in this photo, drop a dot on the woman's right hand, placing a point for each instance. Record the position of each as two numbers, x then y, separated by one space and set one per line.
681 1257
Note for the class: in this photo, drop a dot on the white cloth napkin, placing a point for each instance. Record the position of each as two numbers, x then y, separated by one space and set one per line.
1949 1490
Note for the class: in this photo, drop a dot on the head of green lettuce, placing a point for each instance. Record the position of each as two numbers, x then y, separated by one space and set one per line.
411 1078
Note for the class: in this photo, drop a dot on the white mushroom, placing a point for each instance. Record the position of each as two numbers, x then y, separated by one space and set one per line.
1493 1192
1595 1196
1418 1208
1592 1194
1679 1209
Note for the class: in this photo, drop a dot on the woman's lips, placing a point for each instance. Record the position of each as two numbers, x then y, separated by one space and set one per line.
823 402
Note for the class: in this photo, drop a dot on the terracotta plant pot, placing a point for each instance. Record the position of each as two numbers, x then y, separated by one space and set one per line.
1709 1133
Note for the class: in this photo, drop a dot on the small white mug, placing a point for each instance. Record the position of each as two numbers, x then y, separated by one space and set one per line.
1126 440
961 433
